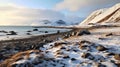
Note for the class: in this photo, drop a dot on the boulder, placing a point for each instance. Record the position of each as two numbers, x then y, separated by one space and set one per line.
83 47
12 33
35 29
84 32
85 41
101 48
110 34
117 56
118 64
28 33
87 55
73 59
46 31
58 31
100 65
66 56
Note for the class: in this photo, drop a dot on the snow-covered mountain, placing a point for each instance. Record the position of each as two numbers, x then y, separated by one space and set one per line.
50 23
59 23
108 15
42 23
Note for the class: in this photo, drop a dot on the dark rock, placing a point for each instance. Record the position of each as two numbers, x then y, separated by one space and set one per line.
4 31
58 31
35 29
109 34
117 64
82 32
28 33
60 43
110 54
37 46
66 56
1 56
100 65
83 47
117 56
62 48
74 33
28 65
85 41
12 33
46 31
47 41
87 55
7 47
67 35
101 48
73 59
102 38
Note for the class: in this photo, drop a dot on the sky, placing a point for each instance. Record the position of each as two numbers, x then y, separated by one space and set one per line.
29 12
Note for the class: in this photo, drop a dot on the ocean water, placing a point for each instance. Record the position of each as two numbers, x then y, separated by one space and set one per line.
22 31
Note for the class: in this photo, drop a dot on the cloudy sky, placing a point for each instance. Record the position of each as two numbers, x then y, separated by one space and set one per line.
28 12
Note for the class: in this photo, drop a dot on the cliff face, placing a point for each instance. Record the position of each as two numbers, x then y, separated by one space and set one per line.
104 16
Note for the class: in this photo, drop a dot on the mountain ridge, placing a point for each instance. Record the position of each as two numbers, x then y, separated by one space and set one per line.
104 15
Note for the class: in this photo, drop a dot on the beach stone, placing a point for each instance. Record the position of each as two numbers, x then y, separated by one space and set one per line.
67 35
102 38
35 29
66 56
29 65
7 47
84 32
85 41
100 65
117 64
87 55
28 33
58 31
47 41
74 33
46 31
110 54
117 56
4 31
83 47
62 47
101 48
12 33
59 43
1 56
73 59
110 34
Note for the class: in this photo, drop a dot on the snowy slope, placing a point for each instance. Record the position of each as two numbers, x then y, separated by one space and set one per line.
104 15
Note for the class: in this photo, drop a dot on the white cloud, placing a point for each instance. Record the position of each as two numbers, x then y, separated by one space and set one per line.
75 5
15 15
12 15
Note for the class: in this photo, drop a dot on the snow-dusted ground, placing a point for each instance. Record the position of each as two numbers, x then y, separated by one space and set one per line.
79 51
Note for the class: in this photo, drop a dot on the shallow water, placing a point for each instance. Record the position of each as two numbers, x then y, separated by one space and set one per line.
22 31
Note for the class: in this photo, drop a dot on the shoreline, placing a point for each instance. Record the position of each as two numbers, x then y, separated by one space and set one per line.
67 49
33 43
